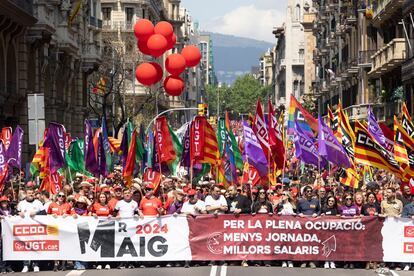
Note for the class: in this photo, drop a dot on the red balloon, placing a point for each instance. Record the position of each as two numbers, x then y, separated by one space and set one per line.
164 28
142 46
171 42
146 73
175 64
192 55
143 29
160 72
157 44
174 86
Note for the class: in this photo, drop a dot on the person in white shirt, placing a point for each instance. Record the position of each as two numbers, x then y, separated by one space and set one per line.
32 207
216 203
193 206
45 198
126 208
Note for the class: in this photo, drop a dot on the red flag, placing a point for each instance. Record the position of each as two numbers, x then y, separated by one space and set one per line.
251 175
3 176
129 165
6 136
259 128
96 141
197 138
163 140
68 139
275 138
154 177
53 181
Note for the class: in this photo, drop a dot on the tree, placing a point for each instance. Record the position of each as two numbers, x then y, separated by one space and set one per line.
111 81
240 98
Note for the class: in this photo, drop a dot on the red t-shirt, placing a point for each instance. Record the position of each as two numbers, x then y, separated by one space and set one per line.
112 203
59 210
101 211
150 207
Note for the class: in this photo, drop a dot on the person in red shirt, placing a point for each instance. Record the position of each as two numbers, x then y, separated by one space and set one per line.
59 207
151 205
101 207
118 196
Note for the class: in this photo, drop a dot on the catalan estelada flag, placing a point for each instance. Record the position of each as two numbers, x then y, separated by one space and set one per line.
305 120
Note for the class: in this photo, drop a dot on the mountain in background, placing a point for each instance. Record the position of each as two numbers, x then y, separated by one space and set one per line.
235 56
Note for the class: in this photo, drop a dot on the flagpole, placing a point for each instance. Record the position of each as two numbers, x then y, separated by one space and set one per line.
191 172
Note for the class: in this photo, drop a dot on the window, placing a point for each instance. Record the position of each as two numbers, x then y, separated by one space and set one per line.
301 54
129 15
295 88
143 13
106 14
302 88
297 12
282 90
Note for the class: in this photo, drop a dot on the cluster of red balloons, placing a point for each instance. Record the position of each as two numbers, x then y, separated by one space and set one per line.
155 41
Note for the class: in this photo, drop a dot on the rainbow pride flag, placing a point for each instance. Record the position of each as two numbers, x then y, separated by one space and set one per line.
306 121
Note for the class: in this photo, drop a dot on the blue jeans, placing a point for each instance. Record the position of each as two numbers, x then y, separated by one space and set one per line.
80 265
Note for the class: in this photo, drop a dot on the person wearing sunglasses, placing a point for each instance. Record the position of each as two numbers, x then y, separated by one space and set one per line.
262 205
348 208
238 204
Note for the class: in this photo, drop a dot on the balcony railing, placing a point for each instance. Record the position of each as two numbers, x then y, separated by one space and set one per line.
385 9
382 111
95 22
388 57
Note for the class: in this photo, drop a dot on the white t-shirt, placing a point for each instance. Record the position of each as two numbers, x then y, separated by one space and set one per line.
210 201
47 204
25 206
189 208
126 209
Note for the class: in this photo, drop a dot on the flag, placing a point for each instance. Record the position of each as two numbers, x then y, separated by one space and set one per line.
75 157
95 141
178 149
281 126
305 148
153 177
345 133
101 157
100 88
55 142
229 162
149 150
330 148
371 153
185 157
349 177
253 151
333 121
260 130
14 152
163 141
75 12
250 174
114 144
389 137
140 144
68 140
204 145
400 152
3 162
6 136
406 121
124 146
275 139
89 152
368 174
129 166
305 120
224 130
106 146
130 129
374 129
408 144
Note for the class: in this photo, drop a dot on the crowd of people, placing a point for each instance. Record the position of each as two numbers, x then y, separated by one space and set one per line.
313 195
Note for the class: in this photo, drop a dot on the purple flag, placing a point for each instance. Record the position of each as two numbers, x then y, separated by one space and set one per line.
101 156
2 156
330 148
14 152
375 129
305 148
55 142
185 157
90 160
124 147
253 151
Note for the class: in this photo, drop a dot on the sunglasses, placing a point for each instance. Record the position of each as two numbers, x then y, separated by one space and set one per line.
348 198
262 193
270 193
331 200
61 196
308 191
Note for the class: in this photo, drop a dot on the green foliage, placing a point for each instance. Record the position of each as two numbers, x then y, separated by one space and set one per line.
239 98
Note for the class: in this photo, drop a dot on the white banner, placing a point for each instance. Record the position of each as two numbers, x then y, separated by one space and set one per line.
398 240
90 239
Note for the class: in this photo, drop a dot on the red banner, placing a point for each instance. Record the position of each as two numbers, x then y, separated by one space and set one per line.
197 138
163 140
6 135
264 237
152 176
251 175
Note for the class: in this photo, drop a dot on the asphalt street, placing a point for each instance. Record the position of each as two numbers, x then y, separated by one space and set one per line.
221 271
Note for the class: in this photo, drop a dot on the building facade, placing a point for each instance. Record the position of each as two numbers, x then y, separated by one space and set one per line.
289 54
47 48
207 60
266 68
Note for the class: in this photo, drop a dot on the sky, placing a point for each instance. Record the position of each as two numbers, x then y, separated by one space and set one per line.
246 18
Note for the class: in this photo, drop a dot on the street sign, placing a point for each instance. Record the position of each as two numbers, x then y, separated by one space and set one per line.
36 117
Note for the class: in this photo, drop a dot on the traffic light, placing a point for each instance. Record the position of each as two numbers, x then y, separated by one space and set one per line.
202 109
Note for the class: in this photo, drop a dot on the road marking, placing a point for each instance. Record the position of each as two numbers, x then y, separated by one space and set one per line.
213 270
394 273
75 273
223 271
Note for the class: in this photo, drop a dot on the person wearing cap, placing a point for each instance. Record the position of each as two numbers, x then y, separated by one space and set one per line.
81 207
237 203
193 206
84 188
216 203
117 197
5 211
151 205
177 203
30 206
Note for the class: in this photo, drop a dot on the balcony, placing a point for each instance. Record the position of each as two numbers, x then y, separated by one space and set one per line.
109 25
382 111
308 20
385 10
95 22
388 57
91 56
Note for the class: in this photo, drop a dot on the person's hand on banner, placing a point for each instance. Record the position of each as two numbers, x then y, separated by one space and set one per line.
21 214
